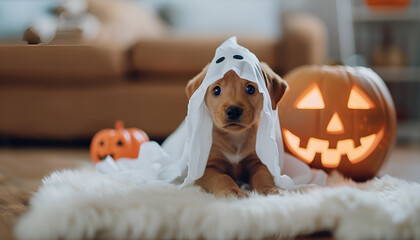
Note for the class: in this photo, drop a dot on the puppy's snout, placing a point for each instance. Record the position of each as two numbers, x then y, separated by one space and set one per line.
233 113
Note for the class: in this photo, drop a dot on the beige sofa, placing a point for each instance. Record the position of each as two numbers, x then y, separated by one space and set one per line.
70 90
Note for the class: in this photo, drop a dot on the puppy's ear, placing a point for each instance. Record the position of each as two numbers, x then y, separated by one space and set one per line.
194 83
275 84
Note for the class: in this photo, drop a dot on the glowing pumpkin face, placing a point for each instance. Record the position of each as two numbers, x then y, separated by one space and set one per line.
338 118
117 143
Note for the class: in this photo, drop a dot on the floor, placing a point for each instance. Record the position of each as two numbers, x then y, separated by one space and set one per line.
404 163
21 171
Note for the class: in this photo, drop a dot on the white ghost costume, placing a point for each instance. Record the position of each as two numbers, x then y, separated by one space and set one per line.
182 158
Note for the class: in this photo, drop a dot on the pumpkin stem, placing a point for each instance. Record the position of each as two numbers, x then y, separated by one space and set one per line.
119 125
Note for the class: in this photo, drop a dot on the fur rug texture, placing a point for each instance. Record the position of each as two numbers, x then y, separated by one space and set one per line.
81 204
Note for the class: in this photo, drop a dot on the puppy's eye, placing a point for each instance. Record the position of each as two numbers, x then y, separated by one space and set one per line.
119 143
217 91
250 89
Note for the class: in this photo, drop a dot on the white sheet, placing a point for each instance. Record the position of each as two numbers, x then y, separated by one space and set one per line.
184 154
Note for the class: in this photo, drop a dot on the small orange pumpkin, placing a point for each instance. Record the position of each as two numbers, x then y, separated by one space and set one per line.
338 118
388 3
117 143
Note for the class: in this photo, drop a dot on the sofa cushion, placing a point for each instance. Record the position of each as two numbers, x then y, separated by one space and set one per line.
61 63
190 55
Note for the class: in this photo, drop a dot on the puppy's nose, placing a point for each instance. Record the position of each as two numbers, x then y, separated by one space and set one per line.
233 113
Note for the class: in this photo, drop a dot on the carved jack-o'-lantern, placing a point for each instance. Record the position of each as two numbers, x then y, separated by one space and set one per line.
117 143
338 118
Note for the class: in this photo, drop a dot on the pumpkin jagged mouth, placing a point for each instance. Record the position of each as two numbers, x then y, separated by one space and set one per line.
332 157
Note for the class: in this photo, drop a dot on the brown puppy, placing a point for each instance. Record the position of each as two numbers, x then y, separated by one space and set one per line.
235 105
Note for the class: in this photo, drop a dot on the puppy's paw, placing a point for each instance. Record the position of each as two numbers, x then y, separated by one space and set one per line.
269 190
231 192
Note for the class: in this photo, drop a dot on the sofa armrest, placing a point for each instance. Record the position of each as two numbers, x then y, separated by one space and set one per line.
304 42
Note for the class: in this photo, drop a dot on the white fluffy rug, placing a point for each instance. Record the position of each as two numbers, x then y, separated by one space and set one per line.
83 205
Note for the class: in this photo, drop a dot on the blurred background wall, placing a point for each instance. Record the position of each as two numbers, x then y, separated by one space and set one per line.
357 33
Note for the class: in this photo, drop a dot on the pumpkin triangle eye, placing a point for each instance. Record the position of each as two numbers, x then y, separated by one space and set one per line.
311 99
359 100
